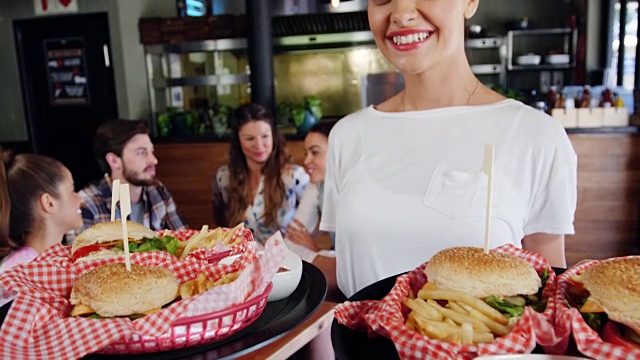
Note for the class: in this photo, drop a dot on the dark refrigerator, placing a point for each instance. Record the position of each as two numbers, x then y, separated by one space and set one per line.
68 86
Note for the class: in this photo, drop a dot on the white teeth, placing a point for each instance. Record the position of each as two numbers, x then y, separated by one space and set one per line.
410 39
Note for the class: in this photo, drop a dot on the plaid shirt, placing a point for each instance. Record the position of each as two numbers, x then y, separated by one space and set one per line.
160 211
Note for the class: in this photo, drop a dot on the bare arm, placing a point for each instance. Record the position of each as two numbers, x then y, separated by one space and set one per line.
550 246
297 233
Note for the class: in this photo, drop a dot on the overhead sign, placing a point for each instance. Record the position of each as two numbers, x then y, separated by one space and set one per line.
66 71
49 7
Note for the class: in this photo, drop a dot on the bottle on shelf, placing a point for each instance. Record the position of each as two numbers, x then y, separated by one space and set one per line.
619 103
552 97
607 98
585 98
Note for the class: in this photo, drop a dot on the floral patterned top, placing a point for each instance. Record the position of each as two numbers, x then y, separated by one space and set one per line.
295 180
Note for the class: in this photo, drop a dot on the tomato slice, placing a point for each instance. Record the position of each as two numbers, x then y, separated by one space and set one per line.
85 250
612 333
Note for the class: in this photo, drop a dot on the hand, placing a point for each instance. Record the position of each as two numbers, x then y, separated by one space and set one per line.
297 233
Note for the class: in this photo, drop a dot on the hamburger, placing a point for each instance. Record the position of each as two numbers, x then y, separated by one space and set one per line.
104 240
111 291
505 282
610 299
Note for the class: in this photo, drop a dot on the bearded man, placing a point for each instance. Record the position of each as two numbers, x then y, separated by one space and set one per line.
124 151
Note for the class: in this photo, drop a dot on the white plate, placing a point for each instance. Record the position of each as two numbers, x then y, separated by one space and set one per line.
528 357
557 59
529 59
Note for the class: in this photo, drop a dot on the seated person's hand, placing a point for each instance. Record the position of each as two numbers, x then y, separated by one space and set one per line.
297 233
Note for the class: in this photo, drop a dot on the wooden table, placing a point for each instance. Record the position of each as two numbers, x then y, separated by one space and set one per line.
295 339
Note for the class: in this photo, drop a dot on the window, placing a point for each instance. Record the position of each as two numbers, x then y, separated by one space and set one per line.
628 50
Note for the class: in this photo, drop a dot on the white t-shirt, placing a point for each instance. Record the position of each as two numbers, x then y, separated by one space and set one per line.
402 186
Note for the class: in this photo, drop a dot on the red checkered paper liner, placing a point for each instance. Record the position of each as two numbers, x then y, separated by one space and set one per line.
385 317
569 320
38 325
219 249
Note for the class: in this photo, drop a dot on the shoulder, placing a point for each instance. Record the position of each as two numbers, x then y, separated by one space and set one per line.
535 125
94 188
294 174
222 175
352 123
95 193
345 139
19 256
160 188
223 172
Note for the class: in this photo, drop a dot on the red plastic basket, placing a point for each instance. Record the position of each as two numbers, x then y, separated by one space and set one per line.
195 330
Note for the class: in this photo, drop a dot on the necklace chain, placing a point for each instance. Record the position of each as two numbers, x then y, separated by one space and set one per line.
475 88
473 92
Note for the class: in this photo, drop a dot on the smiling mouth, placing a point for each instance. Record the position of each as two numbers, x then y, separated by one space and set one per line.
410 39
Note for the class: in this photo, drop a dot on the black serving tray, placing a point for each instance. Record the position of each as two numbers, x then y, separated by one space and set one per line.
276 320
351 344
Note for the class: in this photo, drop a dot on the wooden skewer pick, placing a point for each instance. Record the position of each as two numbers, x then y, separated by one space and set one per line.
125 210
487 168
115 197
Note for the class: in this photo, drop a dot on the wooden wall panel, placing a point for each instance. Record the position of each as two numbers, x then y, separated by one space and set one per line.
608 196
608 189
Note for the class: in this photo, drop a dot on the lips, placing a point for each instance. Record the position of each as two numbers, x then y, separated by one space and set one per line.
408 40
259 154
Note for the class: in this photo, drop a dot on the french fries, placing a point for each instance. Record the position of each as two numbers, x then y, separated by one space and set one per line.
207 239
201 284
464 319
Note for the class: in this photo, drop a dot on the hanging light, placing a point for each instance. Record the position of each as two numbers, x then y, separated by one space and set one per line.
335 3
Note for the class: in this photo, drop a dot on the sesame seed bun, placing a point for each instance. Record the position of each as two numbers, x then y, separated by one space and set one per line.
615 285
110 231
470 270
111 290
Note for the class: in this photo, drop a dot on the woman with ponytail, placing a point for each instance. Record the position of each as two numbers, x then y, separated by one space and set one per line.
38 205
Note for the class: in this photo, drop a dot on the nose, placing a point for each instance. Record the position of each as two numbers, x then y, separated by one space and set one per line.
404 12
153 159
307 159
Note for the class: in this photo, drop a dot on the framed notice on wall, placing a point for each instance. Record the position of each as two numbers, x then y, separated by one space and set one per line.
67 71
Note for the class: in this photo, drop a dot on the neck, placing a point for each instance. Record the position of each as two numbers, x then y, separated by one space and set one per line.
255 169
428 91
44 237
254 176
135 192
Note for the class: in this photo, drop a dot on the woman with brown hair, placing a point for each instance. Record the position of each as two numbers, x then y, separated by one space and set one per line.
260 186
404 177
38 205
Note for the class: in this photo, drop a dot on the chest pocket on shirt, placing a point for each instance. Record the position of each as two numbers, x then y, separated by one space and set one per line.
456 193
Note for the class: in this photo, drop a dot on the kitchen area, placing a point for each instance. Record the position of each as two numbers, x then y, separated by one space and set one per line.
185 73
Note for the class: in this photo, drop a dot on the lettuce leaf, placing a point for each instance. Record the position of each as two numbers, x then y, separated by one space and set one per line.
505 307
166 243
